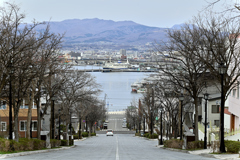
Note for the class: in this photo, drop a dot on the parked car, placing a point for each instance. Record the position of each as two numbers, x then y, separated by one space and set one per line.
109 132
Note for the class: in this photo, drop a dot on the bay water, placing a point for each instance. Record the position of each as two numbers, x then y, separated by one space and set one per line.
117 87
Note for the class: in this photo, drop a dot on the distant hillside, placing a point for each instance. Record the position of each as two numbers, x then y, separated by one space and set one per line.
97 30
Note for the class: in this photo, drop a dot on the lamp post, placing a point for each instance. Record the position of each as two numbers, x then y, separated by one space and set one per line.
80 126
222 69
52 116
181 98
151 123
206 123
59 125
10 101
161 140
143 123
70 125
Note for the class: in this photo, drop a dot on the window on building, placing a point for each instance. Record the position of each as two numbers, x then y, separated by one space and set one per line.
22 106
23 125
216 123
3 105
234 92
34 105
215 108
26 104
3 126
238 91
34 125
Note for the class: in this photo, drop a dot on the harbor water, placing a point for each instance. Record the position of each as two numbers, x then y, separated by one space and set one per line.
117 87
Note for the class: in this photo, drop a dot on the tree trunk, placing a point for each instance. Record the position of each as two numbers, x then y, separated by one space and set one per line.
16 122
38 120
29 118
196 118
16 128
80 128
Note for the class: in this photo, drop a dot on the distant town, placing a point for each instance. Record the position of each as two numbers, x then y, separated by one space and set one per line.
139 59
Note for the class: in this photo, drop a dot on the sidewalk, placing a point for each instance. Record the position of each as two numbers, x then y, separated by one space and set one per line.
3 156
208 152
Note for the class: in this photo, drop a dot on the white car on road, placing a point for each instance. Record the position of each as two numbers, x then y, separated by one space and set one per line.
109 132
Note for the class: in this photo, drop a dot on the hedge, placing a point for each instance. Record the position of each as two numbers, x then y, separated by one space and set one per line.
24 144
55 143
173 143
93 134
195 145
232 146
63 142
148 135
85 134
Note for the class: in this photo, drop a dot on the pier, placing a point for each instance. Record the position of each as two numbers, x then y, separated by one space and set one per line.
108 70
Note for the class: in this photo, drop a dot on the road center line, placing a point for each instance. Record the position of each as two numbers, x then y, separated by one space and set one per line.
117 155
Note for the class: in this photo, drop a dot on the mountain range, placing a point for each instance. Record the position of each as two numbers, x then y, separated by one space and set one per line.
97 30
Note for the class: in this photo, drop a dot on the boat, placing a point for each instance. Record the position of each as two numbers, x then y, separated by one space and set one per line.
116 66
136 85
141 90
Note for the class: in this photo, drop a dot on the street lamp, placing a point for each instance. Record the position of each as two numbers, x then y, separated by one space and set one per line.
70 125
161 140
222 69
143 123
181 98
52 116
80 126
10 101
151 122
205 132
59 127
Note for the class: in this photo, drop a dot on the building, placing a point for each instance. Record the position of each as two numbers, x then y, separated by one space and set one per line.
22 119
123 52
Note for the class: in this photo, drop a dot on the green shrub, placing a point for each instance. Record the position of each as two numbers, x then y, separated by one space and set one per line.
55 143
137 134
195 145
146 135
93 134
85 134
26 144
154 136
75 136
15 146
4 145
38 144
173 143
232 146
63 142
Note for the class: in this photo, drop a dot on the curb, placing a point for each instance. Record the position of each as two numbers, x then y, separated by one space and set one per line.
208 155
33 152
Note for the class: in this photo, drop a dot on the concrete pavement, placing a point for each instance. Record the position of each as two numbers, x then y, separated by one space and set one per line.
208 152
3 156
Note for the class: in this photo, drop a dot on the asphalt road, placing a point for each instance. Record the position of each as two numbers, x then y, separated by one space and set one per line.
115 122
118 147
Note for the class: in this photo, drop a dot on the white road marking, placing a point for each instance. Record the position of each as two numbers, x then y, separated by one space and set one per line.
117 155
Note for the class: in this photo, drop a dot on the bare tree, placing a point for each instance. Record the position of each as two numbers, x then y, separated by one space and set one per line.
79 87
182 68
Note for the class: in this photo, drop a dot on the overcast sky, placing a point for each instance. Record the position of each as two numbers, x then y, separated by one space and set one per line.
157 13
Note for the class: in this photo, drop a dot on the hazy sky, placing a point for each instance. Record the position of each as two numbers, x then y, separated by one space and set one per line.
157 13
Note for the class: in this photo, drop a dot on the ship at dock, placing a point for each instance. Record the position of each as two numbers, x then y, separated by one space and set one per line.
116 66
